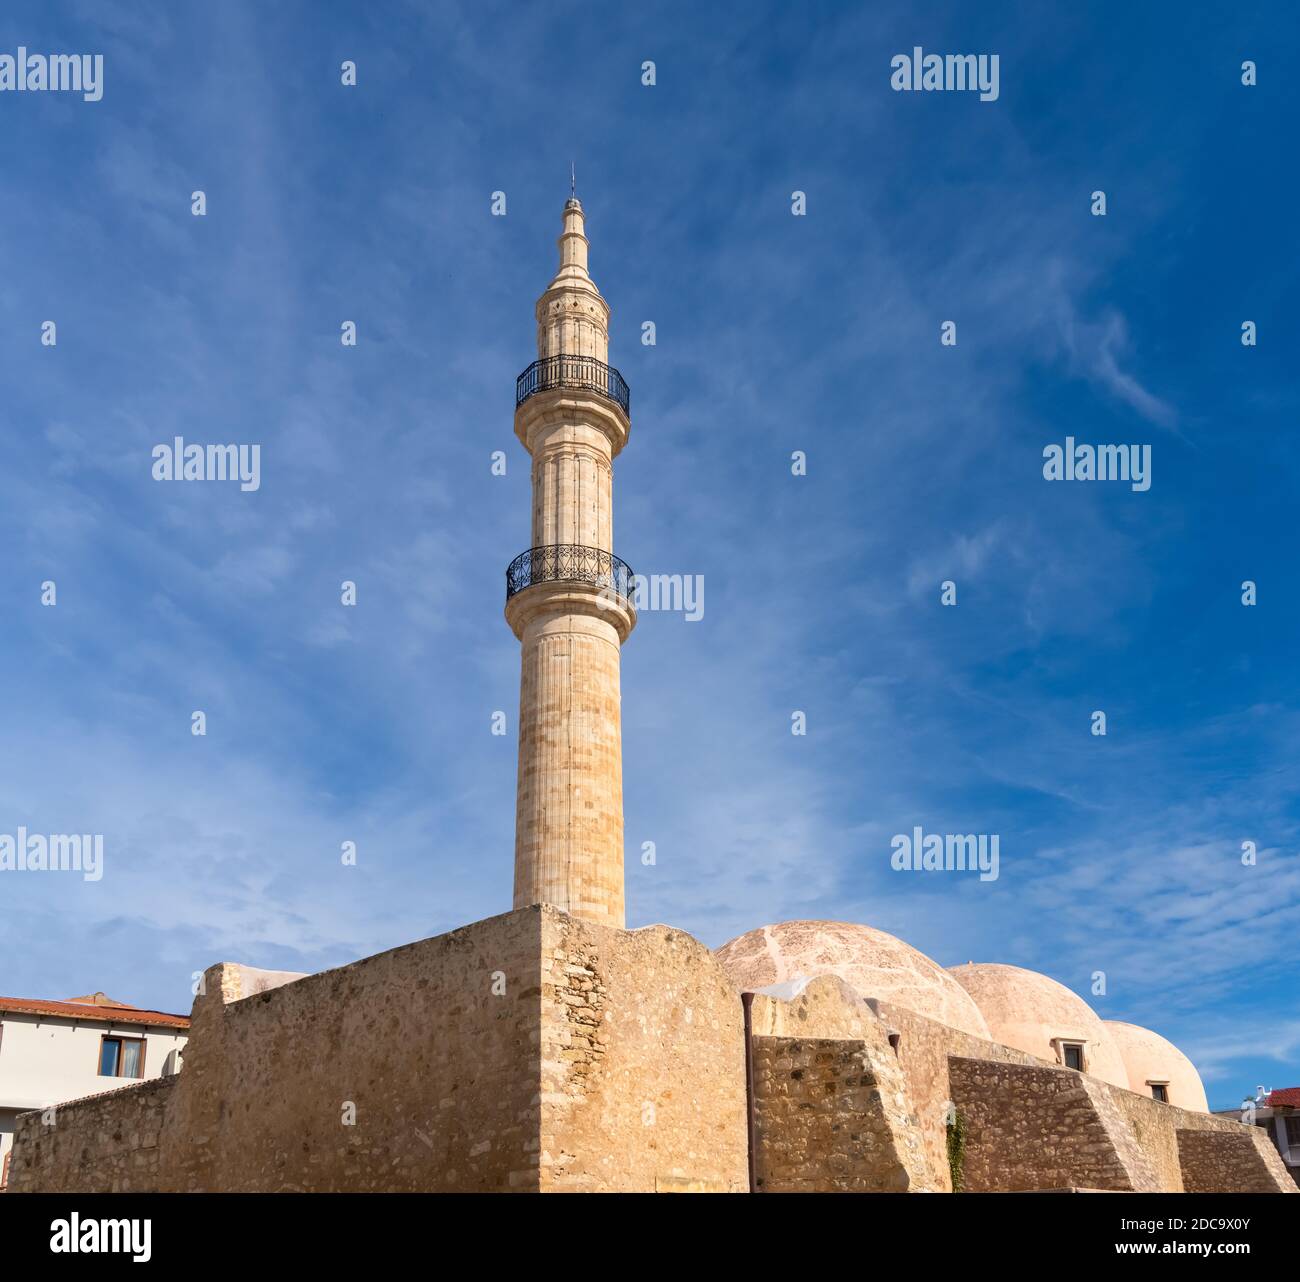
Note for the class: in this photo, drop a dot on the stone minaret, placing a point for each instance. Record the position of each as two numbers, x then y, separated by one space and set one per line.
567 600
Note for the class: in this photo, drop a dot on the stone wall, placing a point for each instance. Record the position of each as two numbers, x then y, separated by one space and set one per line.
405 1071
643 1070
523 1052
1029 1127
1134 1139
110 1142
536 1051
1041 1127
923 1049
823 1007
827 1008
1225 1161
1153 1125
820 1122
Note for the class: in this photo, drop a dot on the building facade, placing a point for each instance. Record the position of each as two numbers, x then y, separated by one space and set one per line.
55 1051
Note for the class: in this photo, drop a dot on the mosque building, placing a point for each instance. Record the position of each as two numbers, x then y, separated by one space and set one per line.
551 1049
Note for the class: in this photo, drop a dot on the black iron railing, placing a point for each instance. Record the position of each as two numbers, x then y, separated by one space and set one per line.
573 371
569 563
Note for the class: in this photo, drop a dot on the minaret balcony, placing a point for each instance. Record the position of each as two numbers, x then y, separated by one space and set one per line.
583 372
569 563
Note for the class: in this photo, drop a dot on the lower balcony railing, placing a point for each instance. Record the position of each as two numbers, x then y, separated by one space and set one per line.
569 563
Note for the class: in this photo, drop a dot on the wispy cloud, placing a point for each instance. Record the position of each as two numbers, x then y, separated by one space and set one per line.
1097 350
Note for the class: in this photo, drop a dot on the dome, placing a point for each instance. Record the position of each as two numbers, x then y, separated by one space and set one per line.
873 963
1148 1058
1035 1014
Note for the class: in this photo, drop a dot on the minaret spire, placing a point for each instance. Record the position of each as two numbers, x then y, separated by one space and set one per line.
568 600
573 272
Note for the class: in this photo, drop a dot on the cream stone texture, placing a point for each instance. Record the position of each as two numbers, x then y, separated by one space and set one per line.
870 961
1034 1013
1148 1058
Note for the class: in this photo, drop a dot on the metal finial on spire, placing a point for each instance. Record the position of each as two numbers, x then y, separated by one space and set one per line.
573 181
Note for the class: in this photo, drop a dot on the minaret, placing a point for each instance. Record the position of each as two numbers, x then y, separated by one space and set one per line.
568 602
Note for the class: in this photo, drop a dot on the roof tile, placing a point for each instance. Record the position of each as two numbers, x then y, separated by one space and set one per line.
100 1013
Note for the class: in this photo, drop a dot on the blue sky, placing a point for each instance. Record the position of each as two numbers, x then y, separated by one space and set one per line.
774 333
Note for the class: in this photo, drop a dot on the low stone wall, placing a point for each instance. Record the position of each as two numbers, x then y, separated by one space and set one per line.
643 1064
111 1142
1027 1108
1228 1162
827 1008
1038 1127
1153 1125
908 1053
819 1120
529 1051
533 1051
1028 1128
923 1049
412 1070
1156 1126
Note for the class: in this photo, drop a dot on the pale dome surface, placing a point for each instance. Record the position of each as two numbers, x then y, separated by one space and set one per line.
1148 1058
871 962
1027 1011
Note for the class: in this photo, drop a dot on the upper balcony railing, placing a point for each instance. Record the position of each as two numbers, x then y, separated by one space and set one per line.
569 563
584 372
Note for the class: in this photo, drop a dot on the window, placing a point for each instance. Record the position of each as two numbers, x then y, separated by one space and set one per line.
1293 1131
1160 1091
121 1057
1072 1055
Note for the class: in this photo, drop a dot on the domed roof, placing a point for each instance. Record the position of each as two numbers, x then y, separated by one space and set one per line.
1034 1014
1148 1058
873 963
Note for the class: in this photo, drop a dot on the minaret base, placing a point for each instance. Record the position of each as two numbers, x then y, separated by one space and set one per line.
569 809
